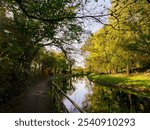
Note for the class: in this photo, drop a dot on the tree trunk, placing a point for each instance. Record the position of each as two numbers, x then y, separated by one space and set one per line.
128 69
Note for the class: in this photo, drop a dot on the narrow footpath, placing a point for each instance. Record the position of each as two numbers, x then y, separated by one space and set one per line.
33 100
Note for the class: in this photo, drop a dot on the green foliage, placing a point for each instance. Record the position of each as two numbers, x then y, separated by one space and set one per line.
126 45
134 18
48 9
21 38
50 63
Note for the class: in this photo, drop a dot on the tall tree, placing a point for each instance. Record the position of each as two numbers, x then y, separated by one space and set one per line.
123 46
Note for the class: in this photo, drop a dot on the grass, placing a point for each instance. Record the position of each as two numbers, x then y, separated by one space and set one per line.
141 80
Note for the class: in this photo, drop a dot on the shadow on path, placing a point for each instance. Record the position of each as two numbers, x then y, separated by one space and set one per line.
33 100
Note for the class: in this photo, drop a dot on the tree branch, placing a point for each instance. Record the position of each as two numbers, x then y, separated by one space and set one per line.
19 2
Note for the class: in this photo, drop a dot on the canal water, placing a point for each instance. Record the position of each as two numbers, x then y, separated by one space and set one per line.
92 97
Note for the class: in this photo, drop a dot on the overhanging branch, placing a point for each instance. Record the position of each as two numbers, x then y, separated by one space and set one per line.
19 2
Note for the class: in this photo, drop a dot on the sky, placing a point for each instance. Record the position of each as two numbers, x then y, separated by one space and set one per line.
98 7
90 24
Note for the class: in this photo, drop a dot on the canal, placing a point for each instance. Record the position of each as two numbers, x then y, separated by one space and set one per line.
95 98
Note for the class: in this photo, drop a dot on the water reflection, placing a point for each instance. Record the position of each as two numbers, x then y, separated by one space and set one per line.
82 87
97 98
105 99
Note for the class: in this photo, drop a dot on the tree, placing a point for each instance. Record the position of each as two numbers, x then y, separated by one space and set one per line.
21 40
33 34
135 28
114 49
50 63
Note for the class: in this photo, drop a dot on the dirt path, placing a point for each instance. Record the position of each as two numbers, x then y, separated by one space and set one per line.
33 100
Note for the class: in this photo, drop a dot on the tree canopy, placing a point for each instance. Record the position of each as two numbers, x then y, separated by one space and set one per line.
125 46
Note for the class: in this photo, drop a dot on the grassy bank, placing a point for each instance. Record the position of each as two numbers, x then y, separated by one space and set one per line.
140 80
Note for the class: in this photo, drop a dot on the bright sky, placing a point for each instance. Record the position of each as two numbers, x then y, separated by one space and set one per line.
91 25
98 7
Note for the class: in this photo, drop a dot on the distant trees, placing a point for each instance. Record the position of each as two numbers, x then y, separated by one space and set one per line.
50 63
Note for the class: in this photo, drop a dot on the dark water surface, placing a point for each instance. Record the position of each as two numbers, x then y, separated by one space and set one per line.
92 97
